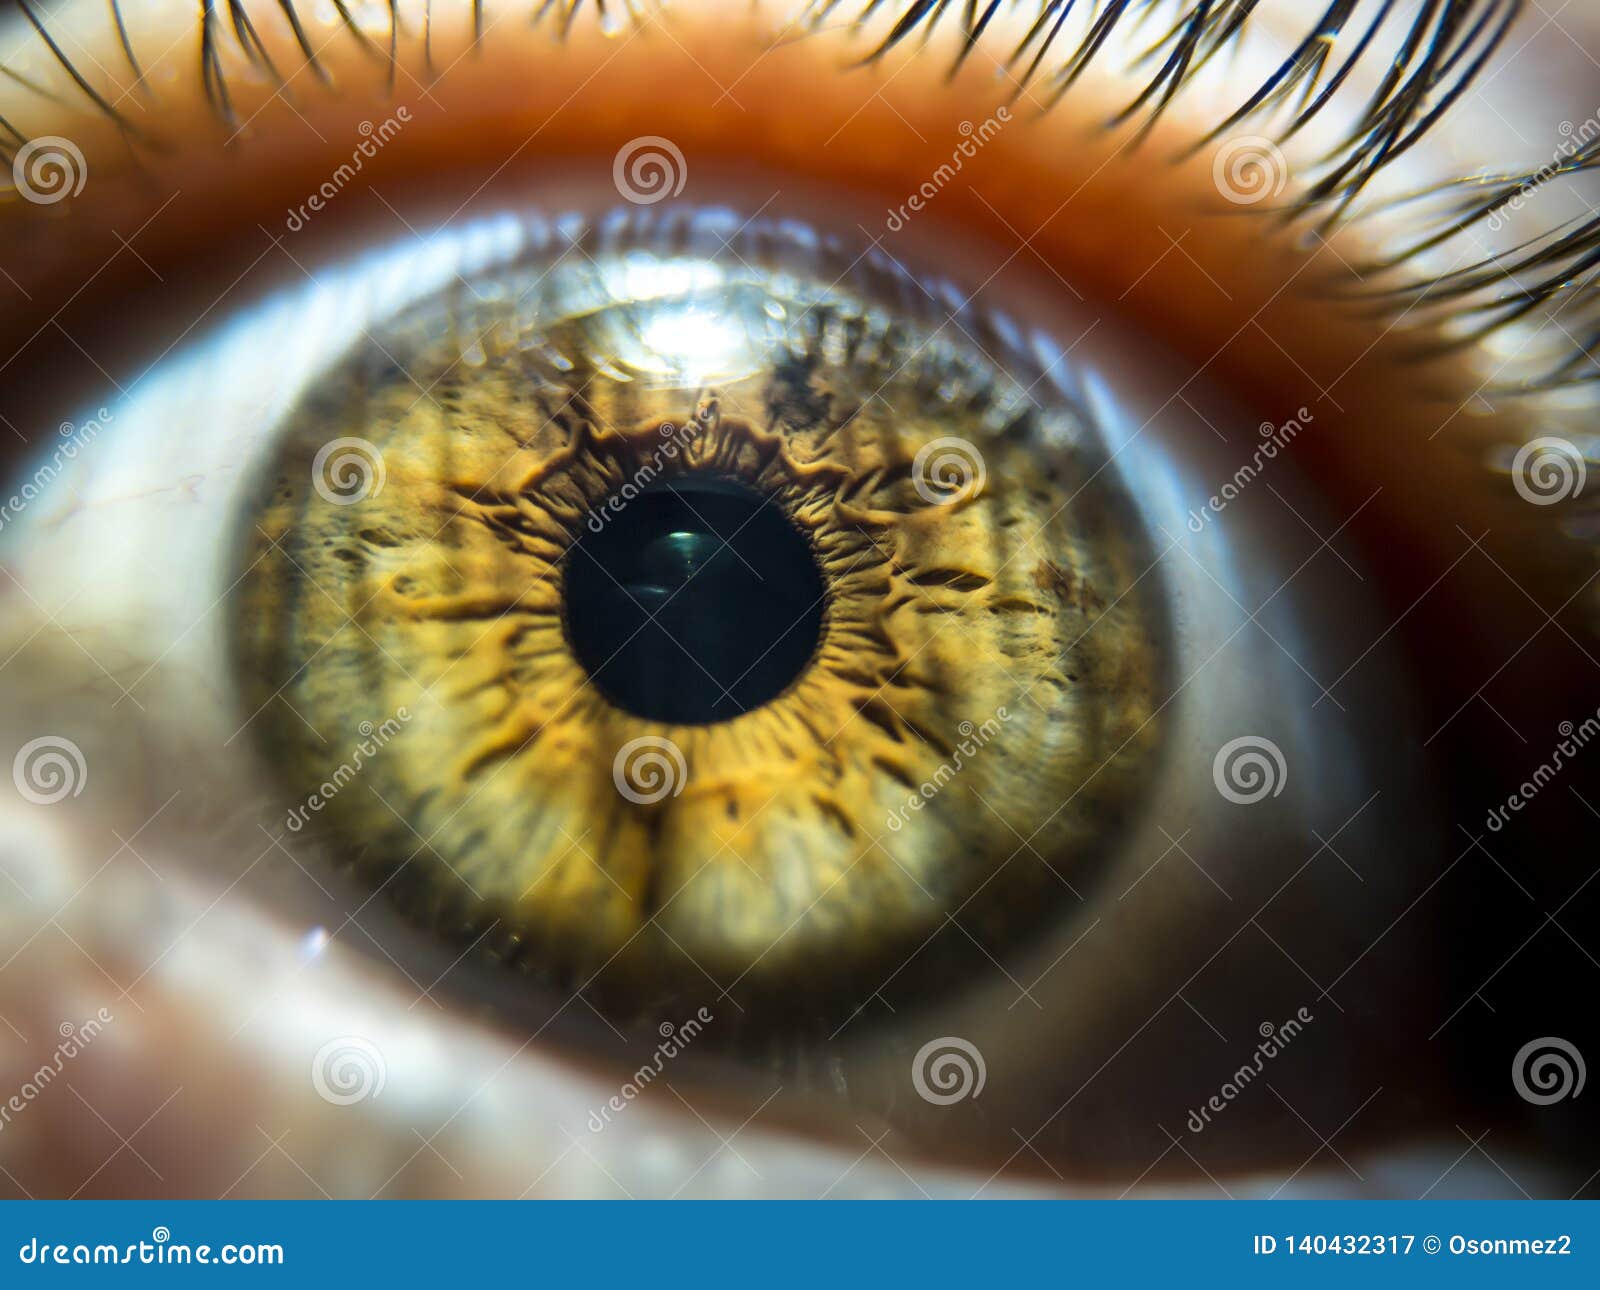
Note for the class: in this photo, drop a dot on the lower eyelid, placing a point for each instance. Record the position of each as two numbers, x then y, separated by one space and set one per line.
222 1038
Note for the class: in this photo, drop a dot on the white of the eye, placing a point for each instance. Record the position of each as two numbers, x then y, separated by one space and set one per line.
141 519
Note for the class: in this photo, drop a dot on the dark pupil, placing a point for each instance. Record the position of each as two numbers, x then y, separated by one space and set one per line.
696 601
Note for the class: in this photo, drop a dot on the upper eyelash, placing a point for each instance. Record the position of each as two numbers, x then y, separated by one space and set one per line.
1431 63
1447 46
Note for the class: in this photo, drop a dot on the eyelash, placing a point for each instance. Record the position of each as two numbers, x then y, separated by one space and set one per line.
1431 64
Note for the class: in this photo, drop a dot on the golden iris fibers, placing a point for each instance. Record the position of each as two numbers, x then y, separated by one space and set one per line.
974 720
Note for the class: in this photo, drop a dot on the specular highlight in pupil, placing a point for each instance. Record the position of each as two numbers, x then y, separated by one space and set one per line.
694 603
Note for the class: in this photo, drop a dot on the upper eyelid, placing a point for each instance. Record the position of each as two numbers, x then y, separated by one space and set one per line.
1434 62
1443 50
1438 57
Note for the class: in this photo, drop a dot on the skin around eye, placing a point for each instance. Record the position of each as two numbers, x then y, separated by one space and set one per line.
481 138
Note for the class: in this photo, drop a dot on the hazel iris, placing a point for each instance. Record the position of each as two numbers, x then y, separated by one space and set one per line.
734 610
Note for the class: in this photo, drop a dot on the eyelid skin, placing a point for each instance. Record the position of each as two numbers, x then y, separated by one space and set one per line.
485 136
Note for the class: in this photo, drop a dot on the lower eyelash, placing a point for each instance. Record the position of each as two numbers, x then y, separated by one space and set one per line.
1431 58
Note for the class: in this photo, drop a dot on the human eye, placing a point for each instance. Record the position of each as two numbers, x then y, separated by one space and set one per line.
868 597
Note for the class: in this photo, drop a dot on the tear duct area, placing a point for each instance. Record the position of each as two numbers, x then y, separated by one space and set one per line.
740 631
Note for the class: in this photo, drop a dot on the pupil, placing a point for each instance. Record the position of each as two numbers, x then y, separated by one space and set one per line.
698 600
